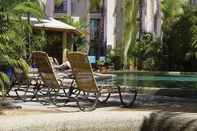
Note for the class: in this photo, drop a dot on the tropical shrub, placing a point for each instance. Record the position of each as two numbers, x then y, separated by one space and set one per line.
4 83
14 32
38 40
117 58
130 28
147 51
180 40
79 40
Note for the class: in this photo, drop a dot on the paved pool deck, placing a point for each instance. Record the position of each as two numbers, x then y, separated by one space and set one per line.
149 113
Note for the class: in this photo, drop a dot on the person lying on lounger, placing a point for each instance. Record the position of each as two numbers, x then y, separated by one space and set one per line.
64 66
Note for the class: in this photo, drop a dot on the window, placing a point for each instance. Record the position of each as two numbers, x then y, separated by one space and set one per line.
94 29
62 8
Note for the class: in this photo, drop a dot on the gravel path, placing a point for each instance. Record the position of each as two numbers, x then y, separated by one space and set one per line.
146 115
79 121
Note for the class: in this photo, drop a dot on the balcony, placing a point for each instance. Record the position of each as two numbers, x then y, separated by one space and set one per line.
61 8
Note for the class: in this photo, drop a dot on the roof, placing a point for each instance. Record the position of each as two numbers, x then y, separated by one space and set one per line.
52 24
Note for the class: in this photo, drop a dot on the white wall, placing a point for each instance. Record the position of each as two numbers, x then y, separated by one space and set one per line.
194 2
152 17
148 16
111 22
49 8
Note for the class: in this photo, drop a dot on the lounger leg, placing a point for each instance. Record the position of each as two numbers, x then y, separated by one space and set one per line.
57 98
70 92
103 98
23 95
35 92
53 94
131 99
88 107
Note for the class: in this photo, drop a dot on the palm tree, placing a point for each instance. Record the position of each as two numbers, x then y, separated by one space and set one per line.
171 9
130 11
13 34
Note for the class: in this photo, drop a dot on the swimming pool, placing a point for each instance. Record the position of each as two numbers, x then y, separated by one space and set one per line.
157 79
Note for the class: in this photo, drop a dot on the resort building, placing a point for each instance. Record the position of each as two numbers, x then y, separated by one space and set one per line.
194 2
101 22
151 17
104 24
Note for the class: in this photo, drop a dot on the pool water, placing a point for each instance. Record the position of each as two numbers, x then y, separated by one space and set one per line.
157 79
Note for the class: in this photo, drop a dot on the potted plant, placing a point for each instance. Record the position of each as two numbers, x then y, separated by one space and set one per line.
104 64
8 73
101 66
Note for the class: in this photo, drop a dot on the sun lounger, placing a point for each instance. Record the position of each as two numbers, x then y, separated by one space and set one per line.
86 83
52 81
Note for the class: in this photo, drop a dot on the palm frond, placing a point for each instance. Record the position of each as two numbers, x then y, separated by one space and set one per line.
130 10
4 83
95 4
28 7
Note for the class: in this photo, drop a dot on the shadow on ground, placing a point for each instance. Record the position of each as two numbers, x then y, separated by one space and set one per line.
170 121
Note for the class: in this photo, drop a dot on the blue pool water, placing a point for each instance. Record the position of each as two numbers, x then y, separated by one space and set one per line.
157 79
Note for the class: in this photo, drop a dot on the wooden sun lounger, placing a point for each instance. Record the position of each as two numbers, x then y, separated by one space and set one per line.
86 83
50 78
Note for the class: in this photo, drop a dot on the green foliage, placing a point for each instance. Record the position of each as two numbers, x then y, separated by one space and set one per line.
147 51
107 61
108 58
100 62
130 11
38 40
28 7
14 32
172 8
4 83
13 40
21 66
79 40
149 64
180 40
95 5
58 2
80 25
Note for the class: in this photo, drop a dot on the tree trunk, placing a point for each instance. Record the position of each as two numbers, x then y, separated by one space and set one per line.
130 27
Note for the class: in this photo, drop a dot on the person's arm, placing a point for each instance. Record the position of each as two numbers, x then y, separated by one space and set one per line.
64 66
100 76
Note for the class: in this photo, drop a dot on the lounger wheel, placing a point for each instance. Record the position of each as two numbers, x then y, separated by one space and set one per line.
127 96
103 98
87 102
